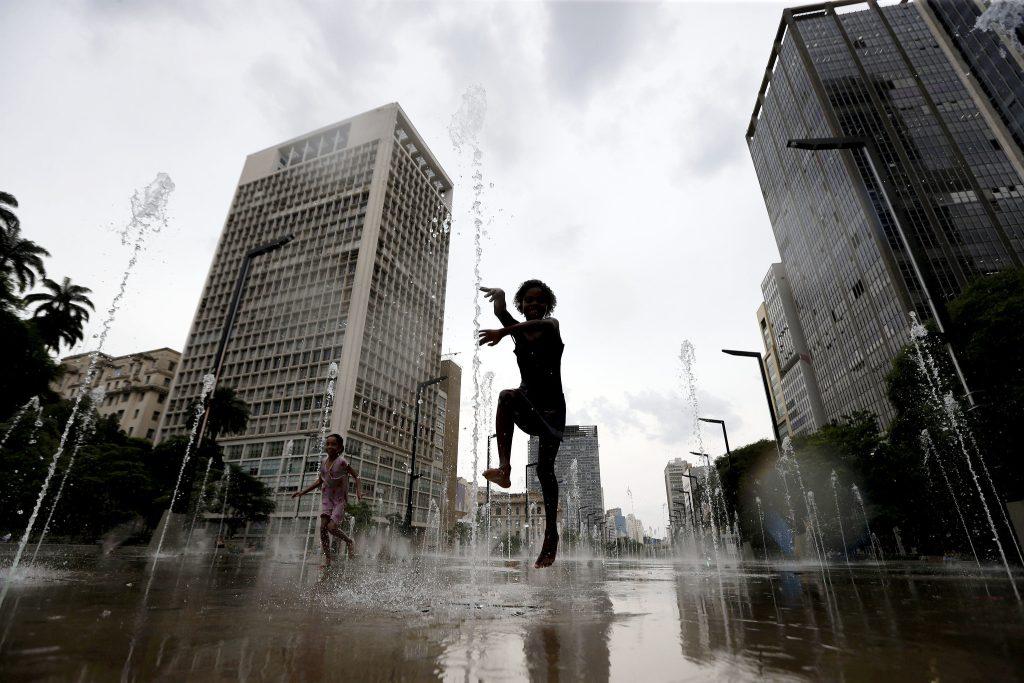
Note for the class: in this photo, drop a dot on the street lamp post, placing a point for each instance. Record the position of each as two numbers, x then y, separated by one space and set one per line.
767 391
876 166
229 322
415 437
725 434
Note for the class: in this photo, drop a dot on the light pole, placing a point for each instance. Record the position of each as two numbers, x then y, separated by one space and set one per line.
876 166
725 434
767 391
229 322
415 437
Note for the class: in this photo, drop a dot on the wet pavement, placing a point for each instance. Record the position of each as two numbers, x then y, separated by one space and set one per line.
84 617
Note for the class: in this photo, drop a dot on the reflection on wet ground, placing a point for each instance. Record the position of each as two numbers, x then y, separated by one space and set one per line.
250 618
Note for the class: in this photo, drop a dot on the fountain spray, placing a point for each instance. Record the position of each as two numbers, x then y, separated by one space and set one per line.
149 215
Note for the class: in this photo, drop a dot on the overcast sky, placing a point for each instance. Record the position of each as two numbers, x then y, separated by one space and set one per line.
614 140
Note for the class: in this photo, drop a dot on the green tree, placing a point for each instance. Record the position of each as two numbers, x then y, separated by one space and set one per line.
60 312
244 499
21 259
362 514
28 368
229 414
8 219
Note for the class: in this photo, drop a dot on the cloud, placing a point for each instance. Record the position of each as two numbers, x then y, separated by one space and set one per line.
588 42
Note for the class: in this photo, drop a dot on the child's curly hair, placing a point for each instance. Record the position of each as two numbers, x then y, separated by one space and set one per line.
530 284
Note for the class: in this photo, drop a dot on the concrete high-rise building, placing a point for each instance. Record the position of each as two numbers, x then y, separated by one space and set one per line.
448 425
678 493
362 285
791 379
938 103
136 386
615 525
635 527
579 444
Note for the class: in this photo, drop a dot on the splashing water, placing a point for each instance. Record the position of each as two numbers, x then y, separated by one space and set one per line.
947 407
867 527
32 403
208 382
929 448
464 130
760 520
687 359
96 397
899 541
839 515
325 422
149 215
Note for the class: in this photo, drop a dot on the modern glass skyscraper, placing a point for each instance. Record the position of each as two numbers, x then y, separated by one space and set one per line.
579 444
361 285
894 77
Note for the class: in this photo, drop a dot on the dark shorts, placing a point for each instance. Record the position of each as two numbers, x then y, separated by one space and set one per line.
535 418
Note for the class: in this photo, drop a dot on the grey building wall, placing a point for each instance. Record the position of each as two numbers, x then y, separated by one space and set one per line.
857 69
580 443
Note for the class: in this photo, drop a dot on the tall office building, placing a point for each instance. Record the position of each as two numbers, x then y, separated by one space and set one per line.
579 444
678 493
791 379
448 424
362 285
938 102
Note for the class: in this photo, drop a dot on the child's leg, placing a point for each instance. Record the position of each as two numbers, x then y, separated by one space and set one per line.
549 489
325 540
504 427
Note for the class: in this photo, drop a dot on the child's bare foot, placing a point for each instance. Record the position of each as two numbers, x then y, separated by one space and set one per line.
499 476
547 552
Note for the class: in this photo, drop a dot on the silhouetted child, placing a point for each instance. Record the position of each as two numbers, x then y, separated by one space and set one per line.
538 405
334 473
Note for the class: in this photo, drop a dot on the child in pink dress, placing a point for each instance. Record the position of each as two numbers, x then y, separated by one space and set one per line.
334 473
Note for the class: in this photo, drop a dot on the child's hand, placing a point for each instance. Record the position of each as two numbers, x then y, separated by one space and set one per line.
296 494
495 295
490 337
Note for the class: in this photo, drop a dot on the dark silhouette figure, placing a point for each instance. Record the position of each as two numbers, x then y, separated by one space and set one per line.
538 405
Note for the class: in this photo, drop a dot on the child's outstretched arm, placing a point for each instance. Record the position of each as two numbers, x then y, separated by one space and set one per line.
492 337
311 487
500 309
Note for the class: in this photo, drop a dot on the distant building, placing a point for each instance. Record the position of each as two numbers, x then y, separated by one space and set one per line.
448 427
579 445
136 386
516 514
615 525
679 494
635 528
791 379
940 103
462 499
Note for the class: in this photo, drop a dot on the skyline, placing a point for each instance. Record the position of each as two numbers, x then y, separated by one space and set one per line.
614 154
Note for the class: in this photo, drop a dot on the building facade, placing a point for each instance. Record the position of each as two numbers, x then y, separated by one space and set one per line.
946 139
615 525
579 445
362 286
791 379
135 385
448 424
679 494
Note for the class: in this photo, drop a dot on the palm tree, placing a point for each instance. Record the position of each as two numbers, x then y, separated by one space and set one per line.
61 312
229 414
20 259
7 217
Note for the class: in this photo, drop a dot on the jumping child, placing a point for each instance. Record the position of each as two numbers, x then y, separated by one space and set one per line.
538 405
334 473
